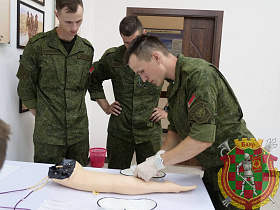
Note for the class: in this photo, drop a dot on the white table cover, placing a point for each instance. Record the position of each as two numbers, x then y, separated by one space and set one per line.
17 175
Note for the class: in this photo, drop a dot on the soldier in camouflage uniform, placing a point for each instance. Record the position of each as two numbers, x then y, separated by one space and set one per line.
133 126
54 75
203 111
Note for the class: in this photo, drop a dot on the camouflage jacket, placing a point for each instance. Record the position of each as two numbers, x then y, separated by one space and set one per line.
137 99
55 83
204 107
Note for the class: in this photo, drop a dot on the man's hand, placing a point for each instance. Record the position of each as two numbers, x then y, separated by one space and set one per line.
146 170
114 109
150 167
158 114
160 152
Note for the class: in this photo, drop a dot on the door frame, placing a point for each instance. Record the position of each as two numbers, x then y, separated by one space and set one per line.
214 14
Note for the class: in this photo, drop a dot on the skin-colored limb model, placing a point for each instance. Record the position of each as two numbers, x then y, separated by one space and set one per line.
82 179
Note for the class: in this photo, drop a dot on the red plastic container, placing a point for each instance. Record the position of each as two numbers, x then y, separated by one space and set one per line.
97 157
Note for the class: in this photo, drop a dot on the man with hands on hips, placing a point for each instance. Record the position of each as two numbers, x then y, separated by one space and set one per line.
134 124
203 111
116 109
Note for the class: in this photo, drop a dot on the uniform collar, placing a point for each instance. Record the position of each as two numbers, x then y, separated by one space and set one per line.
174 85
56 44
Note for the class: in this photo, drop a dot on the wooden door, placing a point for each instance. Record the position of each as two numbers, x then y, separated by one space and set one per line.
198 38
202 30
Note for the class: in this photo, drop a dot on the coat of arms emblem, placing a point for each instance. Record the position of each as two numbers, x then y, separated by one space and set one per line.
248 179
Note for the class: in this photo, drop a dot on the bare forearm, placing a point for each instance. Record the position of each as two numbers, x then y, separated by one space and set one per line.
103 103
171 141
33 111
186 150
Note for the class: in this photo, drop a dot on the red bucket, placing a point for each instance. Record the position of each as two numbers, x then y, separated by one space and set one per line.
97 157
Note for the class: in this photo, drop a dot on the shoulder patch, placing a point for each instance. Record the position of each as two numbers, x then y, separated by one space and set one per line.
191 100
200 112
22 73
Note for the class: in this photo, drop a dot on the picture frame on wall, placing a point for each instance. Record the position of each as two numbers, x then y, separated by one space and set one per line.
42 2
22 107
30 21
5 25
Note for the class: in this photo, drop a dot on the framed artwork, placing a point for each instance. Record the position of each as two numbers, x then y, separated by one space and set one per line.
22 108
5 25
42 2
30 21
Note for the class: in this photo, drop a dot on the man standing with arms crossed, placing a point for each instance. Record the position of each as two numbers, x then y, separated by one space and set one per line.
203 111
135 121
54 75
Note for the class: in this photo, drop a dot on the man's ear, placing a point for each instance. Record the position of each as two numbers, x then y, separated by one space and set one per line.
144 31
55 13
156 56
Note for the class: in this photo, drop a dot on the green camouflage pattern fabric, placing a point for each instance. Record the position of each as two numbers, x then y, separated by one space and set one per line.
53 154
214 114
120 152
137 99
55 83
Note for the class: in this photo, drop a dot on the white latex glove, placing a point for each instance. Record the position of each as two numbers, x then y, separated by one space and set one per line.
149 168
160 152
146 170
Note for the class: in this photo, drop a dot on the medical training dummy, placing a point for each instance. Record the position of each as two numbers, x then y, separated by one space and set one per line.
71 174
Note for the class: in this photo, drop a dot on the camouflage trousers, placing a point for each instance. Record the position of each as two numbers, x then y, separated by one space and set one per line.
48 153
120 152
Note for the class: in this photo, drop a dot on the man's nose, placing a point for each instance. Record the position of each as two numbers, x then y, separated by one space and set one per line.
144 79
74 26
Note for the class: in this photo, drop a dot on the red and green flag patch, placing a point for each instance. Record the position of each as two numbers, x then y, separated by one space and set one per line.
191 101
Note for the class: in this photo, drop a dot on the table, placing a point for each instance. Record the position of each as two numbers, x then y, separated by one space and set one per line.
18 175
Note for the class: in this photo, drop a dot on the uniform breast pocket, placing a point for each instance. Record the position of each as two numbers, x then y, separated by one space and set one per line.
85 79
122 79
81 70
51 72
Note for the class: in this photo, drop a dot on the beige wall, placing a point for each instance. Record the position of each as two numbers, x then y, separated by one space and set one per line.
160 22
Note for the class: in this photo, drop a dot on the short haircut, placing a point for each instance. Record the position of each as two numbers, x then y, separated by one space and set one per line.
72 5
4 136
129 25
143 47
